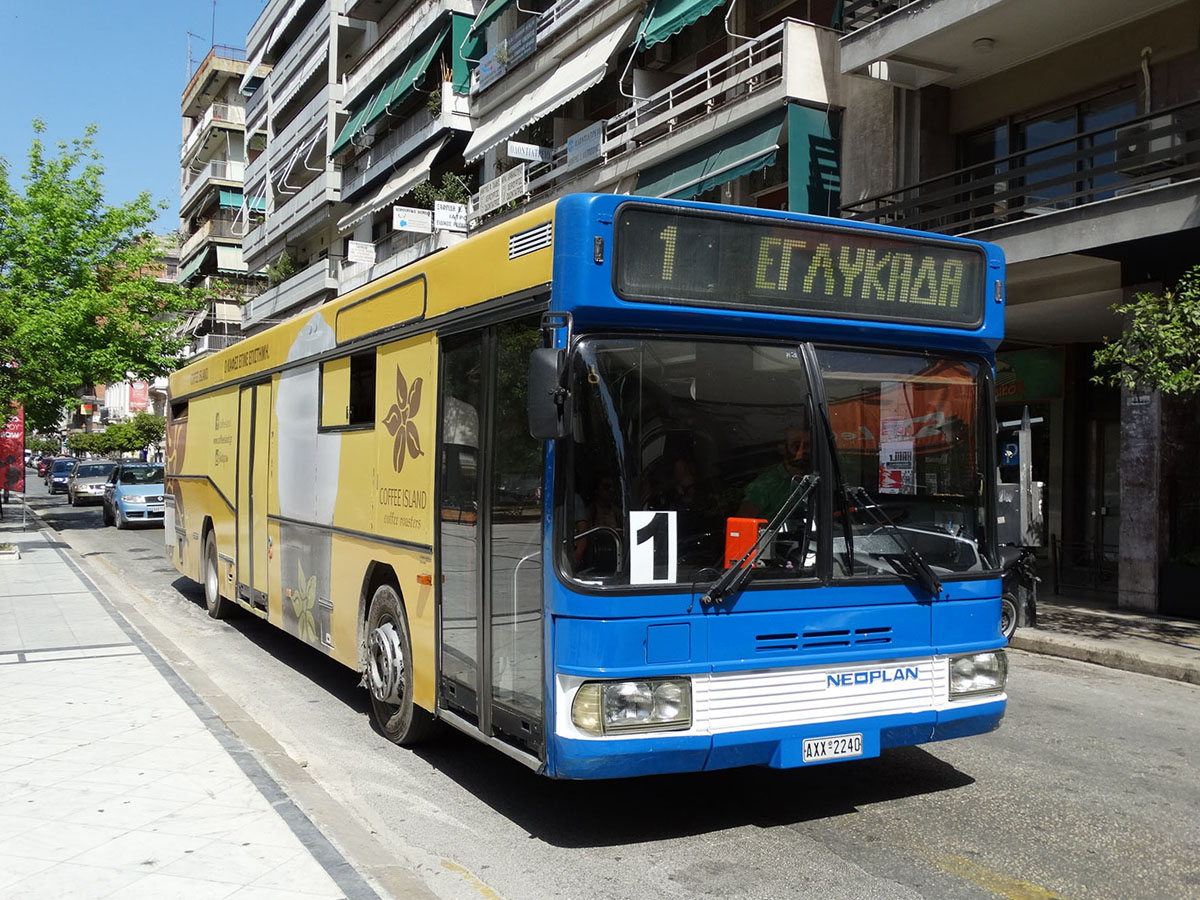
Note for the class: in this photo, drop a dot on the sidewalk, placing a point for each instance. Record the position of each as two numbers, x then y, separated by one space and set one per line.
116 781
1098 632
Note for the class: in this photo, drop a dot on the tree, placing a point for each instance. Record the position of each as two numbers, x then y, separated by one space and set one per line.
1160 346
147 429
79 299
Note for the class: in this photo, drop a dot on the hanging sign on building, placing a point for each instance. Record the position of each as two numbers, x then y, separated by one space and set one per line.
584 146
409 218
360 252
449 216
508 187
530 152
139 396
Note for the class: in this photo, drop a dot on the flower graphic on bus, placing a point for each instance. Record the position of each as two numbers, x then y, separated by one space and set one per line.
400 421
304 598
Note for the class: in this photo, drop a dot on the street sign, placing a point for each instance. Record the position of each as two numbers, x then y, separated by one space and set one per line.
530 152
584 146
449 216
361 252
409 218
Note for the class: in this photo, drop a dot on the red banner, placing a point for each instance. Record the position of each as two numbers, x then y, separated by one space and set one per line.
12 451
139 396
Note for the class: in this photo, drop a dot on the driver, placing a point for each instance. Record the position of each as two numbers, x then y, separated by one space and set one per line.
767 493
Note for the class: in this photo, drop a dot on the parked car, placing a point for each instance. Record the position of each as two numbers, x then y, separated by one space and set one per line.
134 493
86 484
59 473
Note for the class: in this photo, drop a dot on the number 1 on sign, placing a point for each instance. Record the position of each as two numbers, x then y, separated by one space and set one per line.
653 554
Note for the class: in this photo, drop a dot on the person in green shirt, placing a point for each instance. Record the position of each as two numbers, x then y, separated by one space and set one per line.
766 494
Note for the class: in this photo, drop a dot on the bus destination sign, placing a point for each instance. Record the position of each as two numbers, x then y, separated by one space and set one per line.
686 257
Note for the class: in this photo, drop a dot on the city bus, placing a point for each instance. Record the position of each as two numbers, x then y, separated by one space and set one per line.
624 486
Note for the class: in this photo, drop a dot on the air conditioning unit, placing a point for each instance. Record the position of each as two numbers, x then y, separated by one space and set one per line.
1147 146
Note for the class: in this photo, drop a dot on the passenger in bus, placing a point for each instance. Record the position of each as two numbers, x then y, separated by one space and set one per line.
766 494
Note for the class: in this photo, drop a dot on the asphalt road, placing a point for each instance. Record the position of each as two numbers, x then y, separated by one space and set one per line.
1087 791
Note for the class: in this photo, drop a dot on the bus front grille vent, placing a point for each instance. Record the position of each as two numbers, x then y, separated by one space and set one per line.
813 640
525 242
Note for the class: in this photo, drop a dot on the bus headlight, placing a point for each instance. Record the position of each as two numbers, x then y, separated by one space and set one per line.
978 673
605 707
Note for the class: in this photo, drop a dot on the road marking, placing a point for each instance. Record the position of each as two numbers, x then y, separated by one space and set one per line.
483 889
996 882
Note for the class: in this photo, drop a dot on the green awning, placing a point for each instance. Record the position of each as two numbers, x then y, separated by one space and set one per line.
192 266
488 13
740 152
231 199
258 204
352 127
667 17
396 89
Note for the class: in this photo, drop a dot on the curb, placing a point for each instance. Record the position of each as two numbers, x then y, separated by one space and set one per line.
1083 650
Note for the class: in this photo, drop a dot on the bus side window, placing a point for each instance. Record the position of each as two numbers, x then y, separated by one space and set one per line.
335 392
362 389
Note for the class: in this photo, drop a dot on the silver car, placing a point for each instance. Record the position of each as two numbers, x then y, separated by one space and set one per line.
86 484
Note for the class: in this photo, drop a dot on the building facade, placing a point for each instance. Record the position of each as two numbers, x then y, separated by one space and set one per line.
213 205
1063 131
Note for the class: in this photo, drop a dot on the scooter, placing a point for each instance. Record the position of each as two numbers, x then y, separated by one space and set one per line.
1018 592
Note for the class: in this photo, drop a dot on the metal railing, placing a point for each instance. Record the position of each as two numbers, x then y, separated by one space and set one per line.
230 226
856 14
749 69
210 343
218 112
220 169
385 50
1140 153
1083 566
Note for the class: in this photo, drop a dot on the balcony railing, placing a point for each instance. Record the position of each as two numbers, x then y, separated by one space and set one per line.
397 249
856 14
222 113
217 169
210 343
379 57
316 280
750 69
1136 155
232 227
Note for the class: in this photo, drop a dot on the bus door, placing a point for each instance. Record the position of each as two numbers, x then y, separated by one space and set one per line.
254 425
490 536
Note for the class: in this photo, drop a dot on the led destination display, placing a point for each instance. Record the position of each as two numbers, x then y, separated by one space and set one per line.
799 268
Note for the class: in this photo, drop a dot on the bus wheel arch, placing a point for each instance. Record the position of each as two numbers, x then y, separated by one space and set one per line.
386 650
210 573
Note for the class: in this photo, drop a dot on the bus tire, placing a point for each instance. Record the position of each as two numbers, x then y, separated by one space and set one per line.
218 606
389 675
1008 615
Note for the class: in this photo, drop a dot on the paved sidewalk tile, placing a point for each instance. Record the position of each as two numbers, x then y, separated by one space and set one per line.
111 784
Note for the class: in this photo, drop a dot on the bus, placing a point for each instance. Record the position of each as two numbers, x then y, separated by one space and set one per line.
624 486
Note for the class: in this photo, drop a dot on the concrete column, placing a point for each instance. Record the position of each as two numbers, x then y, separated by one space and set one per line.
1143 506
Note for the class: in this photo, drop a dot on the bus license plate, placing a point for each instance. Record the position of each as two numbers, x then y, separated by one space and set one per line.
838 746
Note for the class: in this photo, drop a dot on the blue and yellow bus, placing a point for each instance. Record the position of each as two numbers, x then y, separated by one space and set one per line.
625 486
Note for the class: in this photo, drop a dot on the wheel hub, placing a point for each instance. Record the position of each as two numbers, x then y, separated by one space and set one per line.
385 664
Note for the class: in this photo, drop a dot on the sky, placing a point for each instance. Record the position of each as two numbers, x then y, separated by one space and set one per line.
121 64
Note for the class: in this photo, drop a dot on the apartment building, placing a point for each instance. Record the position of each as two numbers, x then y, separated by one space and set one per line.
213 204
1063 131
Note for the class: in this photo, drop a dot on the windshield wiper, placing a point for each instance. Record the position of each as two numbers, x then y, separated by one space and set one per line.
739 573
908 562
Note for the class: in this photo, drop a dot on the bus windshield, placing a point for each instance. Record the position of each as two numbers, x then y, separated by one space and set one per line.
681 451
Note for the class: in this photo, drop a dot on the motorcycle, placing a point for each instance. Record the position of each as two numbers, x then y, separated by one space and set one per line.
1018 593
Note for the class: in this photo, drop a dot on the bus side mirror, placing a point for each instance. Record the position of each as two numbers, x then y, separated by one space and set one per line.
549 411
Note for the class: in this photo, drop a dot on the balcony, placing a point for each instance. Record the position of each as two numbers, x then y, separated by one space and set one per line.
300 60
227 172
953 43
317 282
293 215
220 115
1142 170
210 343
298 130
794 61
398 249
399 37
414 132
232 229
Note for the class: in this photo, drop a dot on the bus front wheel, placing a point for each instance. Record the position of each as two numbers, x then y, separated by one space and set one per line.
389 672
218 606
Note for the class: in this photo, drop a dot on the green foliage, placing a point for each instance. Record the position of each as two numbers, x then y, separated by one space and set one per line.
79 299
147 429
453 189
1160 346
284 268
40 445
